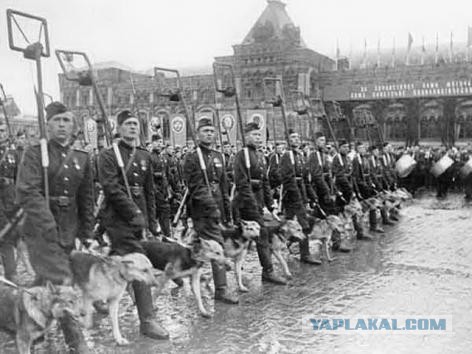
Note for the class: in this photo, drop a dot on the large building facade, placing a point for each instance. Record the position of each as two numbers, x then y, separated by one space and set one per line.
414 103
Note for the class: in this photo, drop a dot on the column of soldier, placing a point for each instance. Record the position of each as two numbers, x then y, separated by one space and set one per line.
258 194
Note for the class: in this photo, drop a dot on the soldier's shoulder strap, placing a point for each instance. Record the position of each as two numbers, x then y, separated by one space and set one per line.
80 151
141 148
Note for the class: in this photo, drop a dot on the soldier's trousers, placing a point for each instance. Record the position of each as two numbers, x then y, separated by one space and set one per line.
7 252
124 239
208 228
443 183
468 186
306 223
345 188
263 250
163 216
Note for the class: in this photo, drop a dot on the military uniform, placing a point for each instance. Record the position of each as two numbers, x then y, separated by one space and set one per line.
273 170
252 195
126 219
366 188
341 168
8 169
50 232
295 198
120 210
388 166
378 178
318 165
161 184
209 205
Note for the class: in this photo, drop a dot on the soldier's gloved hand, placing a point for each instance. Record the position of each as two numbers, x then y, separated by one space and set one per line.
138 220
153 228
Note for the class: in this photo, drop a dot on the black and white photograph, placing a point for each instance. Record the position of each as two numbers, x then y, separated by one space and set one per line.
235 176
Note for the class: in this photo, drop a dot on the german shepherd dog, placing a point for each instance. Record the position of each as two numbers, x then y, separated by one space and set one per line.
236 246
180 261
323 230
103 278
280 236
30 313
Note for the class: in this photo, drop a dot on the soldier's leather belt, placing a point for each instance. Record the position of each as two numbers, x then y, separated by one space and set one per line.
158 174
299 178
62 200
256 183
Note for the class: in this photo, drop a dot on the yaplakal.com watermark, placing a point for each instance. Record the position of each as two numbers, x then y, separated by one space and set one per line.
413 324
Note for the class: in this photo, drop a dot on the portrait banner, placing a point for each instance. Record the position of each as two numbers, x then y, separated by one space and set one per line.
259 117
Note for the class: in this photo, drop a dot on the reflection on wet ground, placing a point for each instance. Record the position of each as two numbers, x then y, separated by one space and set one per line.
421 266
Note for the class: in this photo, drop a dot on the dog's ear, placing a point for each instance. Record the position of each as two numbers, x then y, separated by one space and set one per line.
51 288
205 243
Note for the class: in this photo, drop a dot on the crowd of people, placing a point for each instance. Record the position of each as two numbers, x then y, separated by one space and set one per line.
93 193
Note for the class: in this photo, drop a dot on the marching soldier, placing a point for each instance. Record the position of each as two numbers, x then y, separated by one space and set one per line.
228 160
365 187
50 232
162 188
274 163
318 164
377 177
341 171
174 178
388 164
253 194
126 218
8 168
208 206
295 198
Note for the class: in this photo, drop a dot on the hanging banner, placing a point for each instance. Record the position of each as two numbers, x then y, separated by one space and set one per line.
90 132
259 117
154 127
178 130
228 126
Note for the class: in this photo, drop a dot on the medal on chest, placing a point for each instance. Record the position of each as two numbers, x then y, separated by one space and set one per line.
143 165
76 163
217 162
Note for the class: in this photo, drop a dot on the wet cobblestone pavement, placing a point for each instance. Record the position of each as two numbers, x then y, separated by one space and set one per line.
421 266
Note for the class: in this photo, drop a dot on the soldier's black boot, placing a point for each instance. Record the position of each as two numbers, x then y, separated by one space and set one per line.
373 222
385 219
305 256
265 258
221 289
9 263
360 230
268 273
73 335
148 325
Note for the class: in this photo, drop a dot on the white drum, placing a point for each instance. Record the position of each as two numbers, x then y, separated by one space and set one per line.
467 168
441 166
405 165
